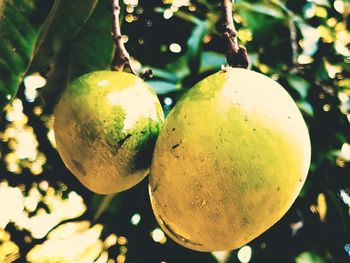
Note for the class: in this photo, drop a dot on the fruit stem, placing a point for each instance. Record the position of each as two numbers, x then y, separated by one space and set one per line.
236 55
121 56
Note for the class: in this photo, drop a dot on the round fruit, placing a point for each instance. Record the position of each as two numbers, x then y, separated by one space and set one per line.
105 127
230 160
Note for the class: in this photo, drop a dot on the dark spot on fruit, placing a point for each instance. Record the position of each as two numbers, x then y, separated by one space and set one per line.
278 188
254 129
79 167
88 131
288 117
175 146
122 141
245 221
173 129
155 187
178 236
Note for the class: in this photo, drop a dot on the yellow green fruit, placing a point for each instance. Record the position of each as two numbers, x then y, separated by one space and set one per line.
105 127
231 158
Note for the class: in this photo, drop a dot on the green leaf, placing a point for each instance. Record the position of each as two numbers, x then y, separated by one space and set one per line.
306 108
309 257
90 50
299 84
179 67
162 87
20 22
164 74
311 37
211 61
265 9
321 2
258 23
195 45
64 22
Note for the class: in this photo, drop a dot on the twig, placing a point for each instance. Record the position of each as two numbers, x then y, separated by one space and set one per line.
236 55
121 56
293 42
230 32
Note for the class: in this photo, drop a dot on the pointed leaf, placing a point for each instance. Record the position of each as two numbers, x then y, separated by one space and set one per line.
211 61
20 22
311 37
299 84
162 87
65 21
91 49
265 9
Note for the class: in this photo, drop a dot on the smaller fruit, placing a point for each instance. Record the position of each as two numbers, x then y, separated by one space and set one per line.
105 127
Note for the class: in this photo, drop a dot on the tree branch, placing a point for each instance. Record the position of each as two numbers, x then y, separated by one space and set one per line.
121 56
293 42
230 32
236 55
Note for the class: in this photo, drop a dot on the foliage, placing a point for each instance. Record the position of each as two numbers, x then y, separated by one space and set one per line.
304 45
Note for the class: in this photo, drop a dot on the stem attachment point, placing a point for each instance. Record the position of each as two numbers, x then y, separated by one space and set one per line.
236 55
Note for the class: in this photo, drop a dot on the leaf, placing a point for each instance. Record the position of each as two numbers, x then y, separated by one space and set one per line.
311 37
195 45
258 23
309 257
299 84
64 22
162 87
20 22
164 74
321 2
211 61
306 108
90 50
179 67
265 9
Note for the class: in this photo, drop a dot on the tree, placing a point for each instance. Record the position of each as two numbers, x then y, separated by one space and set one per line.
46 213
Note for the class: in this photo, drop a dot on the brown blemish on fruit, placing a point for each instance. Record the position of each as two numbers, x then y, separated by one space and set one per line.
79 167
175 146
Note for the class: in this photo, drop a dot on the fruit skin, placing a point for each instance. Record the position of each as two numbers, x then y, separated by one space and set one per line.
106 124
231 158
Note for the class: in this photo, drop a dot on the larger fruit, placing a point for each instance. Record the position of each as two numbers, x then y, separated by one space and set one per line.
105 127
230 160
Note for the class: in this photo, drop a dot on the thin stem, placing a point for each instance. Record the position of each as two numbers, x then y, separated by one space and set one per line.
236 55
121 56
230 32
293 41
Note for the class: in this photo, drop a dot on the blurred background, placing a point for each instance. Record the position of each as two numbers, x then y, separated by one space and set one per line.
46 215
